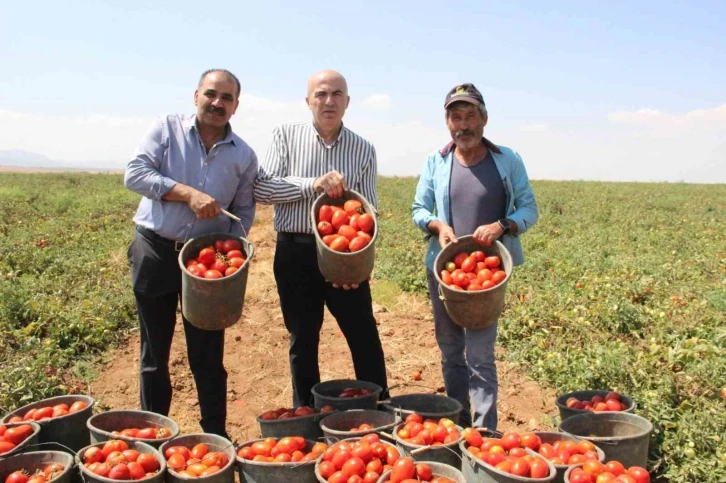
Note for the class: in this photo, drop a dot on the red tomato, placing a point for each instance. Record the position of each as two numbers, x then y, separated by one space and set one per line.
520 467
354 221
219 246
365 235
213 274
148 462
498 277
131 455
423 472
176 461
348 232
468 264
182 450
146 433
639 474
120 472
446 277
492 262
358 243
478 255
538 468
231 245
136 471
17 477
206 256
403 469
579 476
340 218
511 440
484 275
352 207
340 244
366 222
325 228
45 412
195 270
327 469
461 280
328 239
17 434
325 213
459 258
531 441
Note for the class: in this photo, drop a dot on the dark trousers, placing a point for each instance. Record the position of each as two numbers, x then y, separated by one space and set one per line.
156 278
303 295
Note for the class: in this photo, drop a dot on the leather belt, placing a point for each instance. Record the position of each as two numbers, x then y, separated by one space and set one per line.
156 238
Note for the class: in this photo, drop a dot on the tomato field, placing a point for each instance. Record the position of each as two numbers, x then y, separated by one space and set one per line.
624 289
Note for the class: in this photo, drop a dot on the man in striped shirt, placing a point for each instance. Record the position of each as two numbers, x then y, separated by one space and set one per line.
303 160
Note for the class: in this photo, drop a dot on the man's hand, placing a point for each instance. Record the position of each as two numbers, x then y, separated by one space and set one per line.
445 232
203 205
346 287
487 234
332 183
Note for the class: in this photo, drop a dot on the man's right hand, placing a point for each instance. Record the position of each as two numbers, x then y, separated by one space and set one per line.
203 205
443 231
332 183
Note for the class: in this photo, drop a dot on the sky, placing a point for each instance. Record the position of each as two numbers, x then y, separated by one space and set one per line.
613 91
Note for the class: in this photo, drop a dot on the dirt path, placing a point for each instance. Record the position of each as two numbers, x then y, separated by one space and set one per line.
256 359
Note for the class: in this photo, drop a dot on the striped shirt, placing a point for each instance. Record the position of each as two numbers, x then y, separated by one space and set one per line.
296 157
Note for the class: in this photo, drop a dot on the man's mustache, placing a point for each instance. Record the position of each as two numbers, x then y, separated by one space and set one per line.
464 132
215 110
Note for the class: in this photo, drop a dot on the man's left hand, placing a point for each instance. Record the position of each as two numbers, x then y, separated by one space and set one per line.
346 287
487 234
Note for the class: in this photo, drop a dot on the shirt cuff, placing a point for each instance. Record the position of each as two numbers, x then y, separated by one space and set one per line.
165 186
306 189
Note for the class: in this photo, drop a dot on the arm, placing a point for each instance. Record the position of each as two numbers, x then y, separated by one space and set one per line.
142 172
243 204
424 200
525 214
369 179
273 185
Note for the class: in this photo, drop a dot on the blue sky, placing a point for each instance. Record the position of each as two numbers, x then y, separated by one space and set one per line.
583 90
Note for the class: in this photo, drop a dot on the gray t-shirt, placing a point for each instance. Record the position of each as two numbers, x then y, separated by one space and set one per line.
477 195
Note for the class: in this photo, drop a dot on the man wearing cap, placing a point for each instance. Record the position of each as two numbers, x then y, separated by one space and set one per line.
471 187
187 168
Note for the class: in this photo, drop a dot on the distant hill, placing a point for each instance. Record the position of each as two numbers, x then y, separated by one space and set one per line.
30 160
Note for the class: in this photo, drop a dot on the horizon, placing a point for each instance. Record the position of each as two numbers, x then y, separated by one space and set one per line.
581 91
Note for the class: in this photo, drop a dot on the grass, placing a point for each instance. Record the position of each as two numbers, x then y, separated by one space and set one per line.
624 288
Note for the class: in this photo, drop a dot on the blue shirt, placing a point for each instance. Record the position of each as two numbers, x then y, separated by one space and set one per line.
433 199
172 152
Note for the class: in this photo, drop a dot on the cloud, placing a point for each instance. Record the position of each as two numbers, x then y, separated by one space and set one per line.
378 101
660 122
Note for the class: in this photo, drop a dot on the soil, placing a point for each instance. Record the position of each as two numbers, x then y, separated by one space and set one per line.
257 363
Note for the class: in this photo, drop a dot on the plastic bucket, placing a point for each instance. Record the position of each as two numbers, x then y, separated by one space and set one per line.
101 425
430 406
213 304
89 477
263 472
448 454
480 309
622 436
216 444
307 426
344 268
326 394
38 460
337 426
28 442
69 430
438 470
552 436
566 412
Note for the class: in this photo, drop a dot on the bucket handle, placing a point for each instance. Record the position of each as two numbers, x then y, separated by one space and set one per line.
73 453
441 293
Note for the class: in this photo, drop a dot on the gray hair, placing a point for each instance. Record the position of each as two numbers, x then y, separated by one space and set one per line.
481 107
227 73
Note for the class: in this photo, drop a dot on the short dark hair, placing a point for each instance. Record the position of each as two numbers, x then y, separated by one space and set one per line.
225 72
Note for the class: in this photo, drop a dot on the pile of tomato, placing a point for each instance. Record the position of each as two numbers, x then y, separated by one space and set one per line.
49 412
508 454
473 271
288 413
346 229
144 433
290 449
114 460
13 436
363 460
45 475
405 470
220 260
593 471
195 462
610 402
428 432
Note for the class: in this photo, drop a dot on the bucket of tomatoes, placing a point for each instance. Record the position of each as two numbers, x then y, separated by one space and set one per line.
214 271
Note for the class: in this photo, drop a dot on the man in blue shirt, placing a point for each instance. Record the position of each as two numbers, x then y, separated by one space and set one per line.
187 168
471 187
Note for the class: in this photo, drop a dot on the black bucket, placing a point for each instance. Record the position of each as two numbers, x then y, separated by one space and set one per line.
566 412
307 426
264 472
213 304
482 308
553 436
326 394
38 460
101 425
438 470
448 454
216 444
430 406
24 445
90 477
622 436
68 431
338 267
337 426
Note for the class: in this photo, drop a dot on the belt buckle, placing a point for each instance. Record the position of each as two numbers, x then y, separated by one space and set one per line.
178 245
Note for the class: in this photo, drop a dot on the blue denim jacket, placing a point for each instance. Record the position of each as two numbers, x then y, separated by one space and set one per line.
432 193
